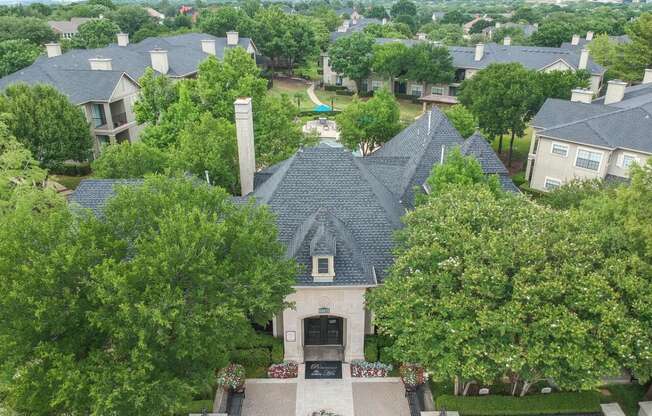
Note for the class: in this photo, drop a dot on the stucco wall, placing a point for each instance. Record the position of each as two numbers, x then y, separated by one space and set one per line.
548 164
347 303
616 164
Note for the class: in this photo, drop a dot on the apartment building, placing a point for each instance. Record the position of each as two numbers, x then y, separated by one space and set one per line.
591 139
468 61
104 81
66 29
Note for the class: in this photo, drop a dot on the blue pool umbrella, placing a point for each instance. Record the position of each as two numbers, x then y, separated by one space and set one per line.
322 108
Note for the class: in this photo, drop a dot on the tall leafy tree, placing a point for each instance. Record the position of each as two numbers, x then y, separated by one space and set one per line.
403 8
352 56
32 29
448 34
462 119
222 20
47 123
96 33
430 64
130 18
129 160
367 125
157 93
16 54
637 55
118 305
459 301
554 33
501 98
390 60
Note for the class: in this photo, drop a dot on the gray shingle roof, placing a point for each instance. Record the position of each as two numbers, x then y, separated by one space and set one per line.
478 147
625 124
94 193
355 28
64 71
326 200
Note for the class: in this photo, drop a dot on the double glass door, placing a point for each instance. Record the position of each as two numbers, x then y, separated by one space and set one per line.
323 330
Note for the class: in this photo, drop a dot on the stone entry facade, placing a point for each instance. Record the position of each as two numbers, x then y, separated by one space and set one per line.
345 304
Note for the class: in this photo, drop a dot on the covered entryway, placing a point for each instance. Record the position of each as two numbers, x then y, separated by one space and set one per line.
323 338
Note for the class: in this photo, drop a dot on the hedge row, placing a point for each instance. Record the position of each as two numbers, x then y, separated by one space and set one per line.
536 404
259 351
376 348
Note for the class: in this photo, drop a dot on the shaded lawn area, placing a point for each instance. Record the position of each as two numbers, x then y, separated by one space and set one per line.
521 150
70 182
196 406
291 88
409 110
627 396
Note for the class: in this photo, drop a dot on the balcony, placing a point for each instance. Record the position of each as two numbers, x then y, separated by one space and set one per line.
119 119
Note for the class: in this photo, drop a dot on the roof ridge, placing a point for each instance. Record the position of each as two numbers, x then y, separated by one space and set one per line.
378 187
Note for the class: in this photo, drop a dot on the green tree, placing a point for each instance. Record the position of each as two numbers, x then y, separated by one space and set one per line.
462 120
17 166
16 54
209 146
173 120
430 64
480 25
603 50
96 33
186 265
29 28
501 97
129 160
448 34
390 60
130 18
367 125
515 33
389 30
558 84
47 123
377 11
457 283
456 17
157 93
637 55
403 8
222 20
553 33
352 56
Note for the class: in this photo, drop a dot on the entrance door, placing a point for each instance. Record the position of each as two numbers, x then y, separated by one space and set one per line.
323 330
400 87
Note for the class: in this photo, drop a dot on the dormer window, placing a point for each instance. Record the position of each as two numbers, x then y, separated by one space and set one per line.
322 250
323 268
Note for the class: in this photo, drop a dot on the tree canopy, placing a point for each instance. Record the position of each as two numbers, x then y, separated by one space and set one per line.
132 314
96 33
47 123
16 54
462 119
352 56
488 285
366 125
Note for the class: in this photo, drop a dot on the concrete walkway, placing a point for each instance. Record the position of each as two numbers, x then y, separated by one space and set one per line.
265 397
379 397
311 94
332 395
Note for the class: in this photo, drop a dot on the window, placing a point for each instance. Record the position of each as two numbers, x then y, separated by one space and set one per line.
338 81
376 85
97 114
559 149
588 160
323 266
437 90
365 85
552 184
452 91
628 160
103 140
416 90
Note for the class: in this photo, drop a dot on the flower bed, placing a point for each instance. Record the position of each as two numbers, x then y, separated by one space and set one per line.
287 369
412 376
360 368
231 377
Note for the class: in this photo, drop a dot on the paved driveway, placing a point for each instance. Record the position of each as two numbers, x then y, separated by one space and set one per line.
379 398
266 399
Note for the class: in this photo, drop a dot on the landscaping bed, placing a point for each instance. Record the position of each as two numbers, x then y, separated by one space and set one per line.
258 354
626 395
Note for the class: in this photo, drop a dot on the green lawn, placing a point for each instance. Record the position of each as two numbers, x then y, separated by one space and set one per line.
537 404
70 182
196 406
291 89
627 396
521 150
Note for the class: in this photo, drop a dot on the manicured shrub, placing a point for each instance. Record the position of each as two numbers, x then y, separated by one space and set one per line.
334 88
412 375
277 351
286 369
370 349
360 368
251 358
536 404
344 92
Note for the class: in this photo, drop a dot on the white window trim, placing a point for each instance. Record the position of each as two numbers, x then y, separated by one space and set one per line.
545 182
565 146
588 149
323 277
434 87
621 160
